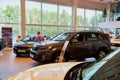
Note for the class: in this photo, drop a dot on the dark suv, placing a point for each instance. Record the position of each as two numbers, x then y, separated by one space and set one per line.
82 44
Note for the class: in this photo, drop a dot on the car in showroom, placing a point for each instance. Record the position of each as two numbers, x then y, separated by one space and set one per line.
107 68
22 48
115 41
82 44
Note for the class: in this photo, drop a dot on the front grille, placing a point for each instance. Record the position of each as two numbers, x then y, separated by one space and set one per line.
35 48
18 47
43 48
39 47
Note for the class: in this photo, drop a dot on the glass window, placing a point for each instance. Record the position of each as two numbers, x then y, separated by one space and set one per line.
65 15
91 37
62 37
99 17
90 18
10 11
80 17
49 14
49 30
33 12
31 30
62 29
79 37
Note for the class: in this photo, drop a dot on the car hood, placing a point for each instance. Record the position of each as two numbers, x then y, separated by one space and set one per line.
49 43
54 71
21 43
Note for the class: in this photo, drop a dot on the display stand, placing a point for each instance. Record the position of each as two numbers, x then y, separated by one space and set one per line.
63 51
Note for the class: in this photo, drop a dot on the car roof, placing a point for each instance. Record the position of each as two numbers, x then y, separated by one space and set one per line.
86 31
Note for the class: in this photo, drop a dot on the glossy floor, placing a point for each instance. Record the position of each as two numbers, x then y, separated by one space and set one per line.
10 64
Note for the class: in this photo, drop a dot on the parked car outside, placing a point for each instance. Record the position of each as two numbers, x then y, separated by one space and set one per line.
115 41
106 68
82 44
22 48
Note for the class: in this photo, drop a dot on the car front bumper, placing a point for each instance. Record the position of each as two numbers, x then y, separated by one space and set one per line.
21 51
40 57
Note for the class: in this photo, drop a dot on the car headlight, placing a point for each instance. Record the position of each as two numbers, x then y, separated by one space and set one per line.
35 44
49 47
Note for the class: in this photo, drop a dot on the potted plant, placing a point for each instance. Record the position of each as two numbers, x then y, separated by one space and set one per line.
104 14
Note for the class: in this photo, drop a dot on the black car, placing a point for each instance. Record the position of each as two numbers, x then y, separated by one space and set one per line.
22 48
82 44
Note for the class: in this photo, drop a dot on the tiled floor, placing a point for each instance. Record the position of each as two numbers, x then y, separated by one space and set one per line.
10 64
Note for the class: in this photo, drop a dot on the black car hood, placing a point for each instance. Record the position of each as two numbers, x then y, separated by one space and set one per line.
49 43
27 44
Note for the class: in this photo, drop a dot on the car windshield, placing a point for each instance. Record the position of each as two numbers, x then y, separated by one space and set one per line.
62 37
27 38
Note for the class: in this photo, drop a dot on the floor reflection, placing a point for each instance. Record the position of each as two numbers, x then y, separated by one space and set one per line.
10 64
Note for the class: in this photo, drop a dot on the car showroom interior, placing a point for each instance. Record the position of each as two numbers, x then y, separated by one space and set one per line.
59 39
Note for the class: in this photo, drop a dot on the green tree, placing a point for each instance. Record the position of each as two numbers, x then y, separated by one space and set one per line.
80 20
49 17
64 18
99 19
93 21
9 13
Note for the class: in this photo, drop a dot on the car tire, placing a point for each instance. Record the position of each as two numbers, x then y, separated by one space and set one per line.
101 54
18 55
0 48
56 57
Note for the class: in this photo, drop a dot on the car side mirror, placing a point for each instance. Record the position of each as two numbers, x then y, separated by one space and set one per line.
74 40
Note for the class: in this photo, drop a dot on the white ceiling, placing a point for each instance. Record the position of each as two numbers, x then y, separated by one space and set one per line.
101 1
105 1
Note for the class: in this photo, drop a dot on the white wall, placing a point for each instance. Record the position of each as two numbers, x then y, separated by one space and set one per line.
81 3
115 24
92 5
